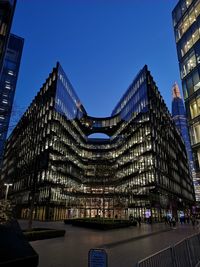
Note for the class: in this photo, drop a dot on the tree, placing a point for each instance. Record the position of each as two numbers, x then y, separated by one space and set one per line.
6 211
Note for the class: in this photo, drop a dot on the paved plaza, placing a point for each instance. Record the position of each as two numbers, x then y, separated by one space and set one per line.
123 246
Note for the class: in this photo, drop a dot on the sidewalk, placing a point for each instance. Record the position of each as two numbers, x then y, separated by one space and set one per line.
124 246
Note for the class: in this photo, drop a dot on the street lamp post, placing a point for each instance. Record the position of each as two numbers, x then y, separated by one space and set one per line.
7 189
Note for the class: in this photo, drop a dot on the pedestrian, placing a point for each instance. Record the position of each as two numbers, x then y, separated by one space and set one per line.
193 220
139 220
130 217
173 221
170 221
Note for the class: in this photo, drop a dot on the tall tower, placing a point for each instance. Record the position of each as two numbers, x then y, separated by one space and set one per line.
186 21
8 81
179 117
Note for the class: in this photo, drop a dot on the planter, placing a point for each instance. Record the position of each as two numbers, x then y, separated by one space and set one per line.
106 224
42 233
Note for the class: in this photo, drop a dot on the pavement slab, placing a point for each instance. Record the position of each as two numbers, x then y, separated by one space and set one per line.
124 246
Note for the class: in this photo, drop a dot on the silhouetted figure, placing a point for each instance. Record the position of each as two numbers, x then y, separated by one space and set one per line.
139 220
193 220
170 221
173 221
181 219
187 219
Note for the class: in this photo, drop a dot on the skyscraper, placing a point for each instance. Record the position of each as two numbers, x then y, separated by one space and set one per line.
8 81
7 8
186 21
179 117
141 168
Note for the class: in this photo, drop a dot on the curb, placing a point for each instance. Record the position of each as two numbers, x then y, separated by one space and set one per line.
121 242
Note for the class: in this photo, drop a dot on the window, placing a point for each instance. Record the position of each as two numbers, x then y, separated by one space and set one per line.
198 158
195 35
197 9
188 2
185 92
196 80
187 21
188 64
195 108
192 17
196 133
189 83
191 37
10 72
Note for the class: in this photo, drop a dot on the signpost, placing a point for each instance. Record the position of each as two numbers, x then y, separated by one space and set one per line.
97 258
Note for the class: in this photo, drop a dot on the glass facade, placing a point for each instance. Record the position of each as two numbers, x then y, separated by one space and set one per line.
186 19
140 169
8 83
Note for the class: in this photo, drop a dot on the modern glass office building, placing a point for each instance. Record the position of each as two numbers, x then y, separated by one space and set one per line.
8 81
186 21
140 169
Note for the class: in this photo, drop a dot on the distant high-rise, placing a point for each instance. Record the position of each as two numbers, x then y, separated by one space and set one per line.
8 82
179 117
186 21
7 8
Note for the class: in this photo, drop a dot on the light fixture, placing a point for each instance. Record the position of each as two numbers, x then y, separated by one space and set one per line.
7 188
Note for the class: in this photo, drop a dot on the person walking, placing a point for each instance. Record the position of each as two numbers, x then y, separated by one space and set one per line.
139 220
193 220
173 221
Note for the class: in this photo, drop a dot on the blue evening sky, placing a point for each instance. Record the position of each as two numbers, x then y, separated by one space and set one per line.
101 45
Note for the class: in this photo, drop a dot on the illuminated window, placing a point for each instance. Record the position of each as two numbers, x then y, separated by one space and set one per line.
10 72
195 108
192 17
188 2
197 9
191 63
198 157
196 133
7 86
188 64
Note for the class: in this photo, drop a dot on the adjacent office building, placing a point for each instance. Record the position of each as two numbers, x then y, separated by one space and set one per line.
7 8
8 81
140 169
186 21
10 55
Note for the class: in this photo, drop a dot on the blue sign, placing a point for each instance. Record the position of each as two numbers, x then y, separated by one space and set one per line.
97 258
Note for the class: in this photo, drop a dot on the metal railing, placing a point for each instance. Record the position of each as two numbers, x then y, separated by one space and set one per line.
185 253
